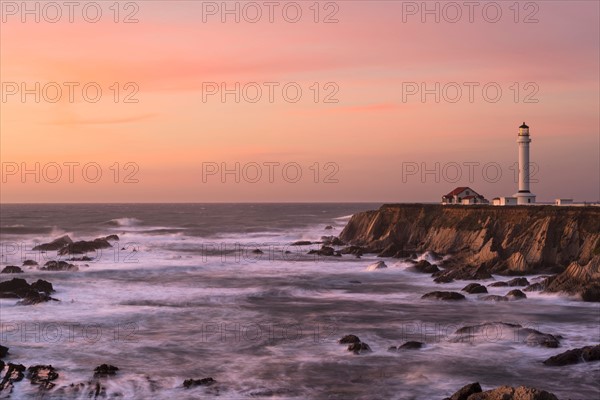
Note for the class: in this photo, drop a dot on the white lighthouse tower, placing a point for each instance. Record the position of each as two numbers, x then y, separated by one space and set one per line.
524 196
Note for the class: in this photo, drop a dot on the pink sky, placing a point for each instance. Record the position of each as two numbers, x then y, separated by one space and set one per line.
369 55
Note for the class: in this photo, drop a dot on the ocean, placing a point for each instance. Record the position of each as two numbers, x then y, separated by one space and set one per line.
183 294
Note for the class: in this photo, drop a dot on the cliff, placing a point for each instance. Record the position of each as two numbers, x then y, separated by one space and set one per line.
505 240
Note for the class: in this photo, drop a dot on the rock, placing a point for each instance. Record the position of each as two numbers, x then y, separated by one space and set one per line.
56 244
466 273
425 267
14 289
474 288
392 349
575 356
42 286
389 251
112 238
518 282
324 251
59 266
510 393
356 250
328 227
494 297
34 297
507 241
591 293
189 383
412 345
467 390
516 294
535 287
257 251
302 243
443 296
376 266
11 269
332 241
14 373
42 375
84 258
82 246
105 370
349 339
3 352
498 284
579 279
358 348
29 263
501 331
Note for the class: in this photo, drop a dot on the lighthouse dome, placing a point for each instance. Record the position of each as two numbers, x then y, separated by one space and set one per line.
524 126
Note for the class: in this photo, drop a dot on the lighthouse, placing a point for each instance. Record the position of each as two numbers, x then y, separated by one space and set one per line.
524 196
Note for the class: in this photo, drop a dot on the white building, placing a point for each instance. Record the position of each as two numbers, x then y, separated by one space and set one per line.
504 201
562 202
524 196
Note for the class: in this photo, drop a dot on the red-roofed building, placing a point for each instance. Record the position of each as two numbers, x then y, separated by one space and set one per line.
464 195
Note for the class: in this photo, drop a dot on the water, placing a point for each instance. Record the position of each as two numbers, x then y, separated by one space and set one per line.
193 301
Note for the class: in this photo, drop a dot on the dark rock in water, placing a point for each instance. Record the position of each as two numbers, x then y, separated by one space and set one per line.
324 251
257 251
302 243
425 267
355 282
359 347
11 269
105 370
56 244
578 279
443 279
34 297
349 339
84 258
392 349
518 282
42 375
474 288
443 296
328 227
189 383
511 393
505 331
498 284
84 246
3 351
14 373
467 390
575 356
516 294
332 241
591 293
42 286
355 250
535 287
111 238
59 266
14 289
376 266
465 273
29 263
494 297
411 346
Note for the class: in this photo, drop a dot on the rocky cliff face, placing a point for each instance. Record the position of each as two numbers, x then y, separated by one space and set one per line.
506 240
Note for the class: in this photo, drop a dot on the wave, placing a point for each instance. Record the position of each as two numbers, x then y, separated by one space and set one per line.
125 221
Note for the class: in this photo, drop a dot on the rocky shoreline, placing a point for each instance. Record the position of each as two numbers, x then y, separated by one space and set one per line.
563 242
